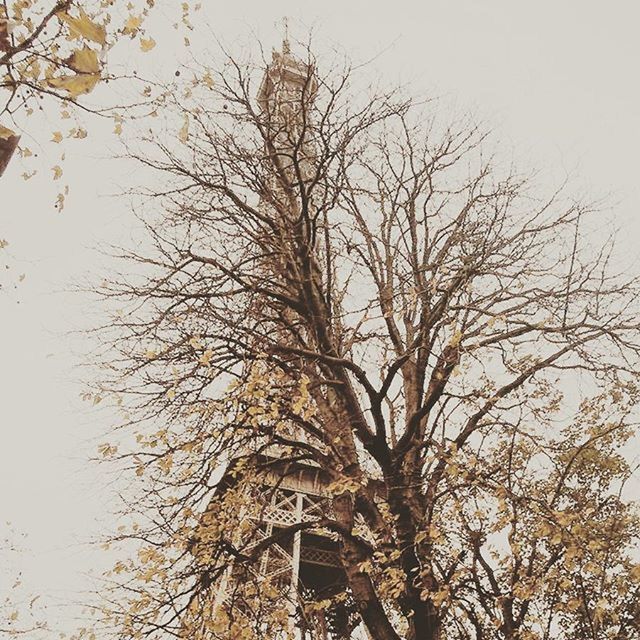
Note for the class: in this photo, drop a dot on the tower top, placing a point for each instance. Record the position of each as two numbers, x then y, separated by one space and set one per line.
286 74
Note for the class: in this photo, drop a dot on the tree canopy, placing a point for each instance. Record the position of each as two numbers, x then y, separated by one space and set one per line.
364 284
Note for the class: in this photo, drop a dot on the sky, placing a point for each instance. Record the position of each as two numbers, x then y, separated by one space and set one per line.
556 80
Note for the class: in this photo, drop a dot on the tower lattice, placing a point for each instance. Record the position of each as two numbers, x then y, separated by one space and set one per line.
303 566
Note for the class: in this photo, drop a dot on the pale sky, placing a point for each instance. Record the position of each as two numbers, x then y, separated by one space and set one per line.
557 80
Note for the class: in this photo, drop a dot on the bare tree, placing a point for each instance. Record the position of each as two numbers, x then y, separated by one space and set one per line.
393 303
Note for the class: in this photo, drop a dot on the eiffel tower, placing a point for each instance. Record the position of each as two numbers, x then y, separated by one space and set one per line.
305 565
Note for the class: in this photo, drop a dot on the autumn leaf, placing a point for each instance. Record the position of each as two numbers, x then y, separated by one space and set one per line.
84 27
57 172
107 450
208 79
205 358
60 202
146 44
32 70
84 60
183 135
57 137
6 133
76 85
132 25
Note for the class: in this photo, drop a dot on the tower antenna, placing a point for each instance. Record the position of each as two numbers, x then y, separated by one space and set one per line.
286 47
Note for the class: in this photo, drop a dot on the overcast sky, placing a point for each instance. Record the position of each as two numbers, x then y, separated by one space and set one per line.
557 80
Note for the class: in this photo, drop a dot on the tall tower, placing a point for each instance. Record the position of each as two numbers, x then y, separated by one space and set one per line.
302 565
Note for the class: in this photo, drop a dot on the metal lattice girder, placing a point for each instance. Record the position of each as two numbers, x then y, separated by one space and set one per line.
326 557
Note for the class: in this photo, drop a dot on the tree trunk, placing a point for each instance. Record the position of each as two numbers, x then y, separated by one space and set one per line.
8 143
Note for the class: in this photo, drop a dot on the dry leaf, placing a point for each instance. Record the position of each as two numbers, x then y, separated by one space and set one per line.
208 79
85 60
84 27
76 85
183 135
6 133
146 44
60 202
132 25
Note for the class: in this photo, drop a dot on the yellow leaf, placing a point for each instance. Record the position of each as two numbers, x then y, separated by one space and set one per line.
601 607
57 137
166 463
76 85
85 60
206 357
146 44
439 597
57 172
5 133
33 70
60 202
207 79
132 25
592 568
106 450
573 604
84 27
184 131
